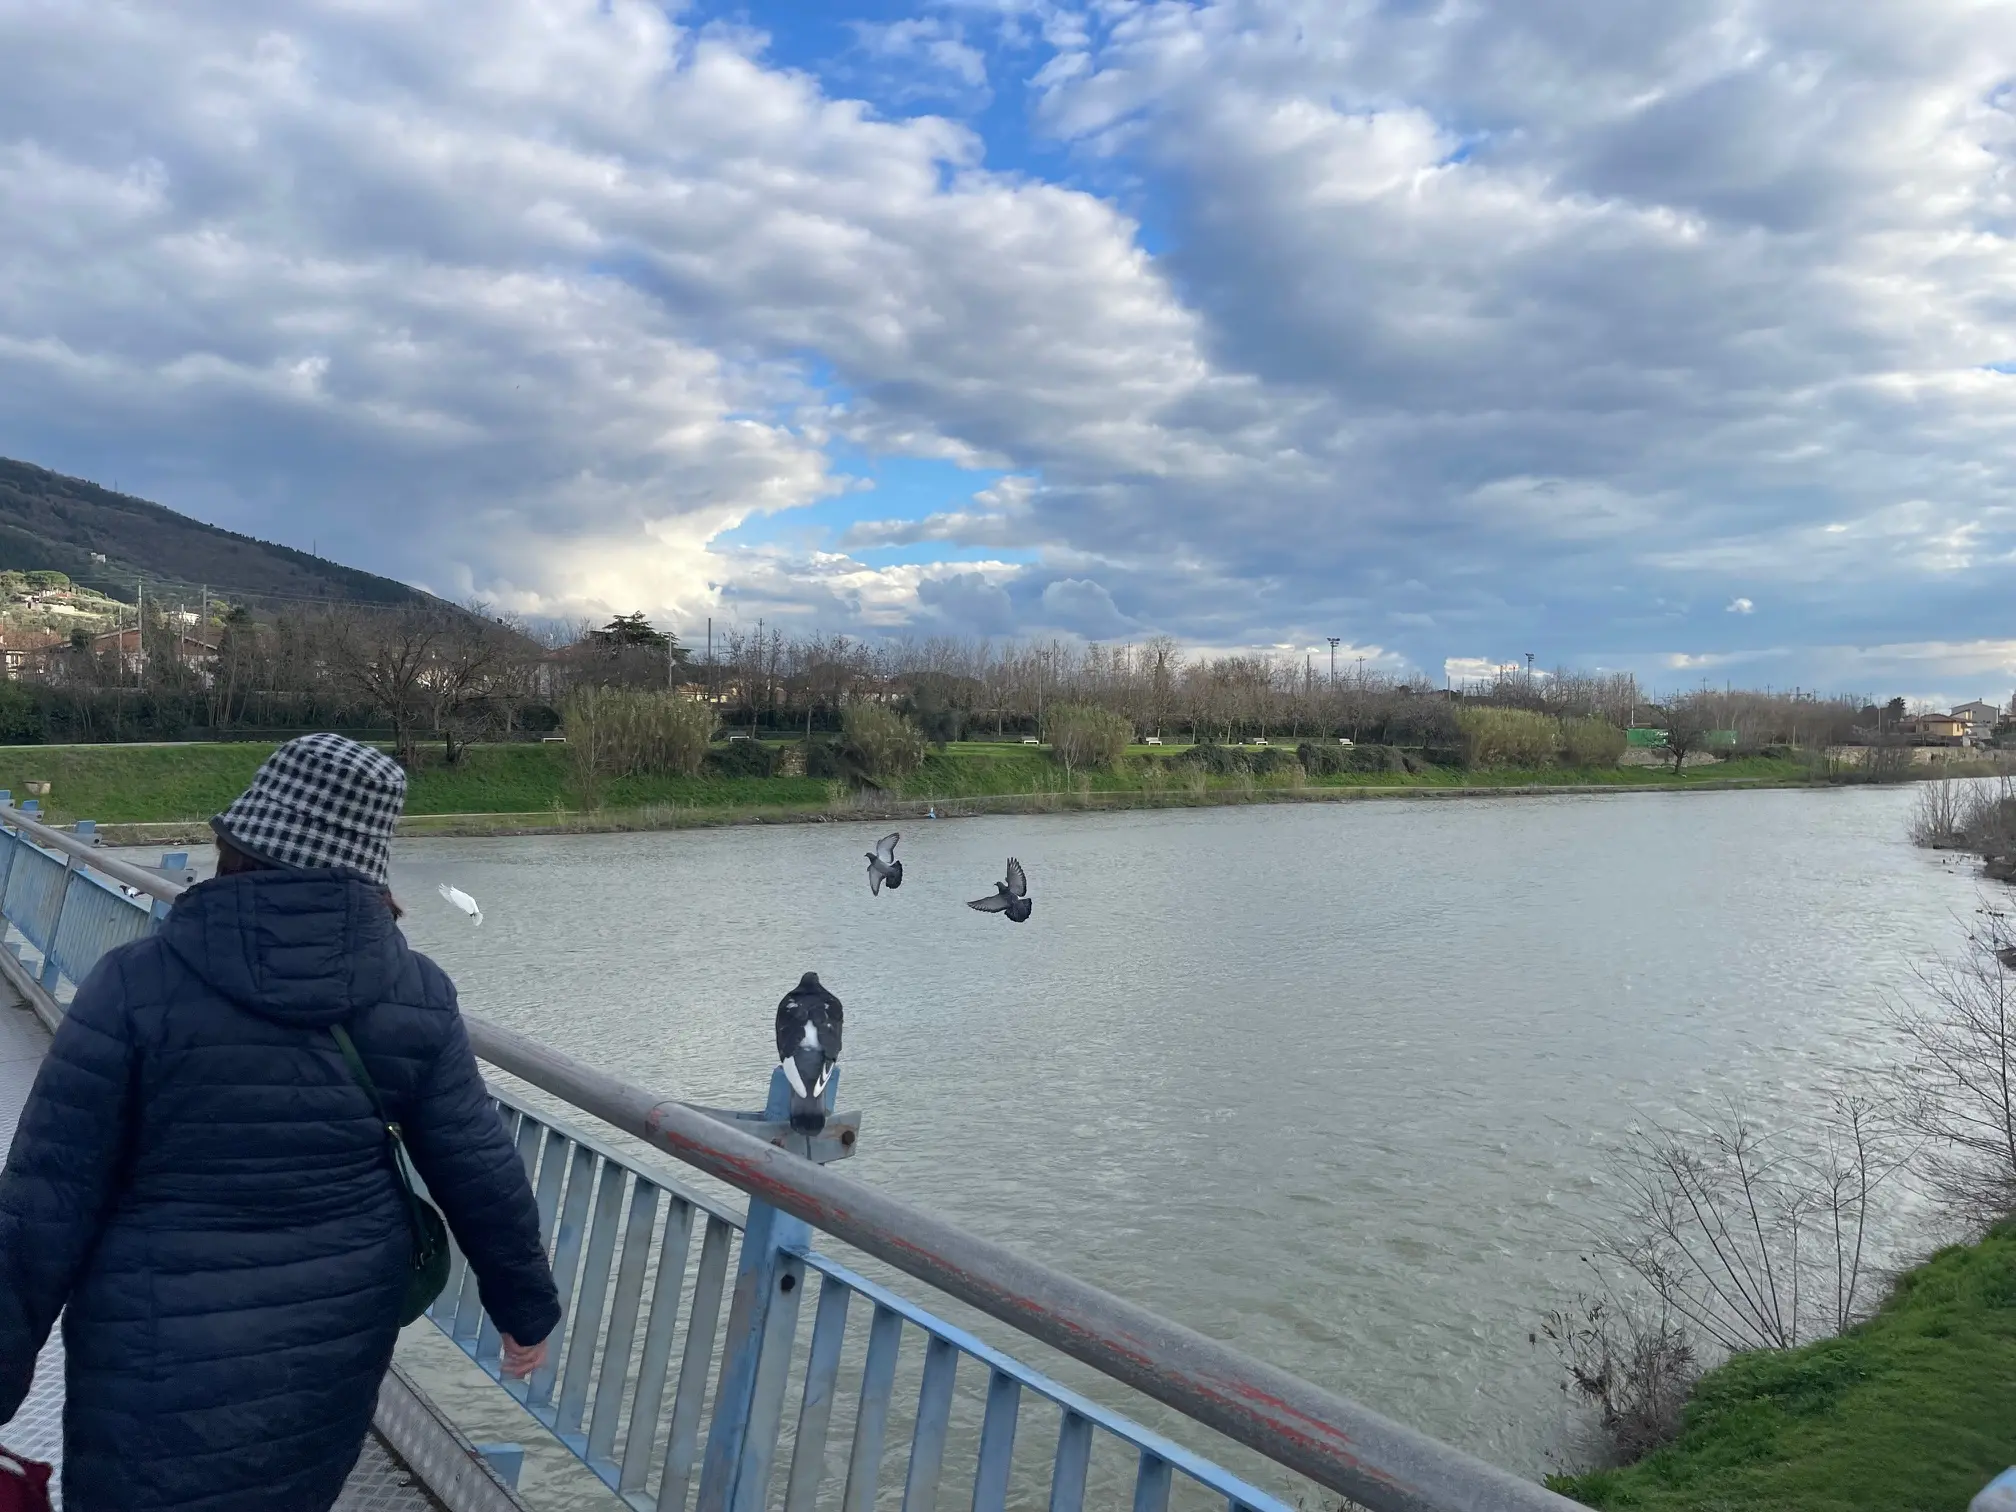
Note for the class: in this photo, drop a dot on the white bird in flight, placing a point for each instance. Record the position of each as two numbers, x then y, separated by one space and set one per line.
462 901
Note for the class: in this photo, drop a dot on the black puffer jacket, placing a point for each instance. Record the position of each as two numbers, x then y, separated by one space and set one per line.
197 1177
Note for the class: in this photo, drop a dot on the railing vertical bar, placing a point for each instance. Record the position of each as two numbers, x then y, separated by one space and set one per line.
658 1334
566 1260
682 1446
878 1384
528 1131
621 1337
815 1413
765 1423
552 1173
50 970
1151 1483
588 1307
997 1443
442 1313
524 1130
934 1419
1074 1460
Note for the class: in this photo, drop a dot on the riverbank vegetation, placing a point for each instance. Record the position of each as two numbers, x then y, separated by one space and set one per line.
1974 816
1909 1411
533 784
1762 1252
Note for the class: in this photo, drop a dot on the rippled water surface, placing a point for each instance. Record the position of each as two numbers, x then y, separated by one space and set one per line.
1332 1082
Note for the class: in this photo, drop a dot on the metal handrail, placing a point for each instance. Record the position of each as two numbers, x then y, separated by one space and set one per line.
48 836
1337 1443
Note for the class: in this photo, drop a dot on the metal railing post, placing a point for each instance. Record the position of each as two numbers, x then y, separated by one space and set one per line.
50 972
756 1355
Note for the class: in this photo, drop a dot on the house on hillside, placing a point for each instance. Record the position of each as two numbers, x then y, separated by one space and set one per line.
1981 716
1934 729
25 651
125 645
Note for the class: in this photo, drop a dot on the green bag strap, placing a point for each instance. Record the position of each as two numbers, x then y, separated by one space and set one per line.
392 1131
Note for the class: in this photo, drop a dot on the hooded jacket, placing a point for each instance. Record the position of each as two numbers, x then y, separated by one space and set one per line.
199 1181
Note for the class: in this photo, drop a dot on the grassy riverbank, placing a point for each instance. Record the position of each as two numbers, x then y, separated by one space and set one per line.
1912 1411
524 787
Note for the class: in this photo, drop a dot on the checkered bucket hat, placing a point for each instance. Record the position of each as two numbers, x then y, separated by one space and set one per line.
320 801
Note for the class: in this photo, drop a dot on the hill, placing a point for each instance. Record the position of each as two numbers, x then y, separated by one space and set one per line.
110 541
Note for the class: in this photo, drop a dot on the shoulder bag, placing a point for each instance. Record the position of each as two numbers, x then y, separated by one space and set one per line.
430 1235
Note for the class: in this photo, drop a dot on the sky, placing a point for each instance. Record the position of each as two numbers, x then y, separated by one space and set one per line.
1676 338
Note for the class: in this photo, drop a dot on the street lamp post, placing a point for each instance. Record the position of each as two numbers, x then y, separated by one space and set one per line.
1334 641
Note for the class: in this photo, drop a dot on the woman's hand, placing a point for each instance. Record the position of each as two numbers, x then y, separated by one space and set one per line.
520 1360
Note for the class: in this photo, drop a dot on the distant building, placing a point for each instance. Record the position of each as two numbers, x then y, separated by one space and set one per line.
1980 715
1935 729
21 652
125 645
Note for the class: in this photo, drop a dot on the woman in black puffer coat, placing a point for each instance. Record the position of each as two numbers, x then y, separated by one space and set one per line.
201 1187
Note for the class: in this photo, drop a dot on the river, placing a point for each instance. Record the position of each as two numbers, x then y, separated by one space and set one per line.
1333 1082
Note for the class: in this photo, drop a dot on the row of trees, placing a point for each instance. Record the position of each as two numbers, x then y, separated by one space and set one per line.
430 670
426 671
965 688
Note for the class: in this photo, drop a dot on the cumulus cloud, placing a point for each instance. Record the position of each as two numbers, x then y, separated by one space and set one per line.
1480 328
1083 607
1741 606
525 305
1549 283
1002 519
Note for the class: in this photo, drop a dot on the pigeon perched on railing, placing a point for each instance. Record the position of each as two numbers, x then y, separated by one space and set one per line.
883 867
1010 897
808 1045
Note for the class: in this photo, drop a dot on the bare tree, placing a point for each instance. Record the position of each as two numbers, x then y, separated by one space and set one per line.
386 658
467 666
1958 1079
1688 721
1750 1241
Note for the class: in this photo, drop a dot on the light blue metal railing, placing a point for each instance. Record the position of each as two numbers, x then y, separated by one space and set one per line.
645 1387
643 1265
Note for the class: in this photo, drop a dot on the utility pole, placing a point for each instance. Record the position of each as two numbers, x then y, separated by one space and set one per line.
1333 659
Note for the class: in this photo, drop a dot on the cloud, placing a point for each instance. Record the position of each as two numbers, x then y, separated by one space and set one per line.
525 306
1084 608
1002 520
1468 671
1452 328
925 57
1740 606
969 603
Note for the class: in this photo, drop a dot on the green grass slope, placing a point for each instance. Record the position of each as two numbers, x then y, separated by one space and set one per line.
126 784
1912 1411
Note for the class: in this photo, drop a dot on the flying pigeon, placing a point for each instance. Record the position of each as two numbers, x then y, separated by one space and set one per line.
808 1045
883 867
1010 897
462 901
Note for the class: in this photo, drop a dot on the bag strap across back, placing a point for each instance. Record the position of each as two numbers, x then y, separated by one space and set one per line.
396 1140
